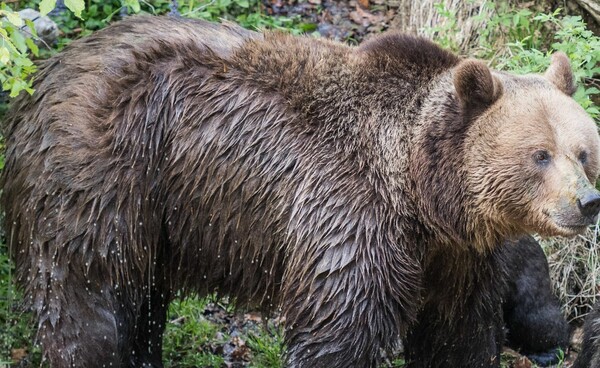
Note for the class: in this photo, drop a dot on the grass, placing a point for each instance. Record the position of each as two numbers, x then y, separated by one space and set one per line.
268 345
575 271
188 334
190 338
16 326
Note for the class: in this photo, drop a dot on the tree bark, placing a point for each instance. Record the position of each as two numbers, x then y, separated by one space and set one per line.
592 7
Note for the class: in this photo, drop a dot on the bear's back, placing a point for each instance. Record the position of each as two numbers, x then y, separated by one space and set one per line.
92 71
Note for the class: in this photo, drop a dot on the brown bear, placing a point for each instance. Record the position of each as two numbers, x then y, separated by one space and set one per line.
361 189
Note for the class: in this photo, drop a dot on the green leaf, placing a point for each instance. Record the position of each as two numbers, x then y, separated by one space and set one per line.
133 5
593 110
32 46
31 26
592 91
18 86
19 41
4 55
22 61
76 6
46 6
14 18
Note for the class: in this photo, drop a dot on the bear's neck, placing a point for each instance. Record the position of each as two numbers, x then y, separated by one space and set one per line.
445 207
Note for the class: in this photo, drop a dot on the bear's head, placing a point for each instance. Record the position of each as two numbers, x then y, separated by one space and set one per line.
532 153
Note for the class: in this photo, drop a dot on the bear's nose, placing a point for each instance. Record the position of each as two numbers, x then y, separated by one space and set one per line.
589 203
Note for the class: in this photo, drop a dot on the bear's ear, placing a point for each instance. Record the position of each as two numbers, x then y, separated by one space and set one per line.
476 87
560 73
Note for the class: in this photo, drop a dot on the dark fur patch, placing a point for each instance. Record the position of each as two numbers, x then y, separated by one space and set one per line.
536 326
404 51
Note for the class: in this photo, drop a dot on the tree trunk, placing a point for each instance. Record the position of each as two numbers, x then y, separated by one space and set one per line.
592 7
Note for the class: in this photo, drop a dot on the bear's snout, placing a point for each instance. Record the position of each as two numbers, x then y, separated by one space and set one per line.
589 204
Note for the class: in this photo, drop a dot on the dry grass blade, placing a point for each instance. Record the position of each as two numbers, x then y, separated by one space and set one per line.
575 271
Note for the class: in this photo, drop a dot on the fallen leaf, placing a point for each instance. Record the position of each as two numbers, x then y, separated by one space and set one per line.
18 354
241 351
253 316
522 362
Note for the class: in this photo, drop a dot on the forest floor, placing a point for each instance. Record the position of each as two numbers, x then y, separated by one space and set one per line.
238 352
348 21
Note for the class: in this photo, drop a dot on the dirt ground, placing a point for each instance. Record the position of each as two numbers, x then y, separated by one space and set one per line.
340 20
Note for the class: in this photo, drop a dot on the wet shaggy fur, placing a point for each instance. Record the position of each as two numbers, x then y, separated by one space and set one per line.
535 325
589 356
352 187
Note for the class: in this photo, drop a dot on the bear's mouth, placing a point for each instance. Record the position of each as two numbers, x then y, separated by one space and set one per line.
568 228
575 228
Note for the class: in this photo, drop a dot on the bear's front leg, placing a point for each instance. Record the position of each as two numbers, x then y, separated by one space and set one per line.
346 305
348 330
466 340
460 324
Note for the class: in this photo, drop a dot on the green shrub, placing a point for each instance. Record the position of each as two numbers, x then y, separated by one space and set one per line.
15 65
518 40
574 39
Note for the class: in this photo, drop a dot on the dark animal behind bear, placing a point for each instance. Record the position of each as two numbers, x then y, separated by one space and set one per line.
361 189
534 321
589 356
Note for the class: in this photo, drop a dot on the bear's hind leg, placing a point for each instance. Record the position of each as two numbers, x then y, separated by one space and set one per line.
80 321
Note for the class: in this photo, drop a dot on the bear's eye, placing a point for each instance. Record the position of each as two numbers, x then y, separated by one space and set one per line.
583 157
541 157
